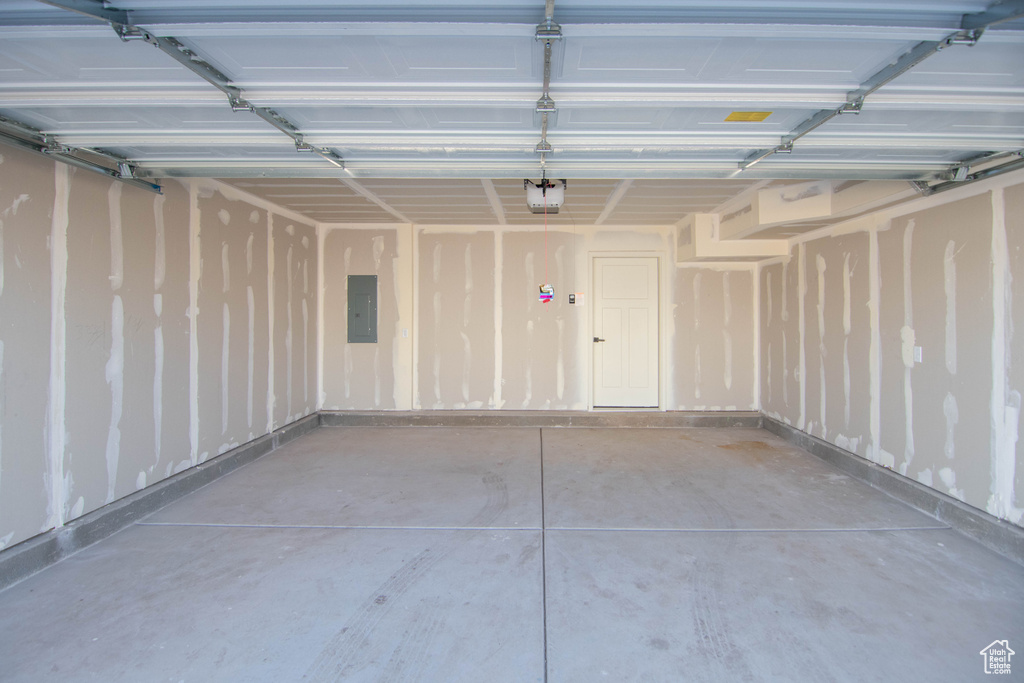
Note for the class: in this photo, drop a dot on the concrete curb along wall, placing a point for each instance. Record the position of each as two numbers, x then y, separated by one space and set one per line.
540 418
993 533
28 557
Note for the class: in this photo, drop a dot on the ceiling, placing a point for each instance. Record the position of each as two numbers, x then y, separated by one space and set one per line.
399 110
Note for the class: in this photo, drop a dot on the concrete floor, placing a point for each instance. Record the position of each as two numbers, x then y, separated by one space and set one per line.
517 554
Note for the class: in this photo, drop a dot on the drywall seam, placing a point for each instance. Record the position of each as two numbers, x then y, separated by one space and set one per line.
696 336
665 287
271 396
949 280
1005 402
847 330
2 244
415 265
494 200
250 300
822 391
467 308
396 334
875 347
114 371
3 392
755 273
56 430
499 245
304 305
116 239
768 400
159 274
233 193
115 379
909 339
613 200
378 252
726 331
436 278
250 386
567 277
801 276
404 286
356 187
288 333
225 344
321 239
225 368
528 268
560 323
347 354
773 261
195 267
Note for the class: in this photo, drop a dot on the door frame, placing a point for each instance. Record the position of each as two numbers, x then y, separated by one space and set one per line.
663 310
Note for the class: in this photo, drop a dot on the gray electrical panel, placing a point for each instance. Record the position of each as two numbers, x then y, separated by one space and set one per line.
362 309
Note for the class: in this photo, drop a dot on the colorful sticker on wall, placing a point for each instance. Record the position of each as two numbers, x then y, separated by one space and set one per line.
547 292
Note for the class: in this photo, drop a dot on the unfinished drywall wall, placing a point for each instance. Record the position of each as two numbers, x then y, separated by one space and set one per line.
1007 471
482 338
136 334
118 344
27 194
233 318
892 337
294 280
362 375
713 349
456 320
938 262
540 366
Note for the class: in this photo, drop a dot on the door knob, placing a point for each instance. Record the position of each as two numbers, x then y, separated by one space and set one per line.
598 339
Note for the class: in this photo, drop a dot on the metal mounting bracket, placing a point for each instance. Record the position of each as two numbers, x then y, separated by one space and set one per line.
120 22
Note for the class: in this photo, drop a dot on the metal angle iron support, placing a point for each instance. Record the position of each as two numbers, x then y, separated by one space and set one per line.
19 135
995 14
962 176
972 27
120 21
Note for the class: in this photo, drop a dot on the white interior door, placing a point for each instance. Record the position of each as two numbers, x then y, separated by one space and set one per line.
625 332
